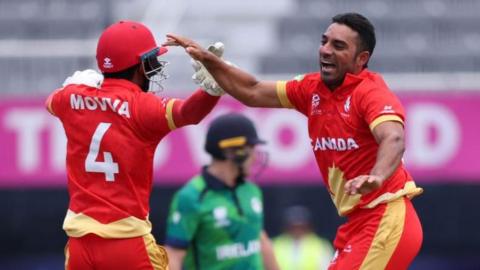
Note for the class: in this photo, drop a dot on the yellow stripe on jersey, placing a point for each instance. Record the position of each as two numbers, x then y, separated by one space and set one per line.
169 114
387 236
384 118
282 94
156 253
233 142
78 225
410 190
343 202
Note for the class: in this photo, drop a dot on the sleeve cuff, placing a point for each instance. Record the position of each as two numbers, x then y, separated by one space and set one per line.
177 243
384 118
282 94
48 102
169 114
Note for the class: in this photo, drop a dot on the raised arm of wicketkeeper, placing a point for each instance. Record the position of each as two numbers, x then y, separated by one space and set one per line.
239 84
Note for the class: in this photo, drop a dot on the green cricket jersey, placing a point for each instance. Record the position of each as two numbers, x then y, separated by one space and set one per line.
219 226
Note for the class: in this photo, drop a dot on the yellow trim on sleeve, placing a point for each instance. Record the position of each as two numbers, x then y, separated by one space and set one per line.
282 94
48 103
49 108
169 114
233 142
384 118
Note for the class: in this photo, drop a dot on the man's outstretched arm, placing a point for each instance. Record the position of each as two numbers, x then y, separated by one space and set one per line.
390 137
191 110
239 84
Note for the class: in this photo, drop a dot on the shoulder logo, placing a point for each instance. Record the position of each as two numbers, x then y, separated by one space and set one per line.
107 63
221 217
299 77
388 109
256 205
346 107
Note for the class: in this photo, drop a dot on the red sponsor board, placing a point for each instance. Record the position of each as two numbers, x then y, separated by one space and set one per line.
442 132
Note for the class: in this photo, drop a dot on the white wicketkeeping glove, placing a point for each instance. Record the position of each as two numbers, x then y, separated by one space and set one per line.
88 77
203 78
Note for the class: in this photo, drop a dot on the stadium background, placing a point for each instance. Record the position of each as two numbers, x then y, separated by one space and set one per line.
428 51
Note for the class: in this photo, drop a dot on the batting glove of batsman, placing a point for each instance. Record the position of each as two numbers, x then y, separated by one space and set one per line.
88 77
203 78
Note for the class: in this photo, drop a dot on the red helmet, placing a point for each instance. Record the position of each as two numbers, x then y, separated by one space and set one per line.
123 44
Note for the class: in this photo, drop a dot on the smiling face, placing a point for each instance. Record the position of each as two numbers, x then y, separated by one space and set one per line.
339 54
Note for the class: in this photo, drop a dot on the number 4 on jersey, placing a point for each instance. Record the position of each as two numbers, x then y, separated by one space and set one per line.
108 166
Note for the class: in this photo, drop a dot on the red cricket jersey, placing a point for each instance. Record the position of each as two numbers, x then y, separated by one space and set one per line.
340 125
112 135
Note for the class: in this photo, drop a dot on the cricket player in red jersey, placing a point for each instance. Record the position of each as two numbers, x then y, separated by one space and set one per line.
356 128
113 129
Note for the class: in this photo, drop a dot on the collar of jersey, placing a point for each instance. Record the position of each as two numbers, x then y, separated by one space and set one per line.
350 80
354 78
213 182
110 82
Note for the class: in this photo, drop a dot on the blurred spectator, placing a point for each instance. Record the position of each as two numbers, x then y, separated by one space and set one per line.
299 247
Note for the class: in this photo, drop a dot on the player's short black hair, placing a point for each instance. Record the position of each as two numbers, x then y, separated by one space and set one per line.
362 26
126 74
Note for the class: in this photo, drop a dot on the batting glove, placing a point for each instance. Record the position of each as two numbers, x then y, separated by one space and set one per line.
88 77
203 78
